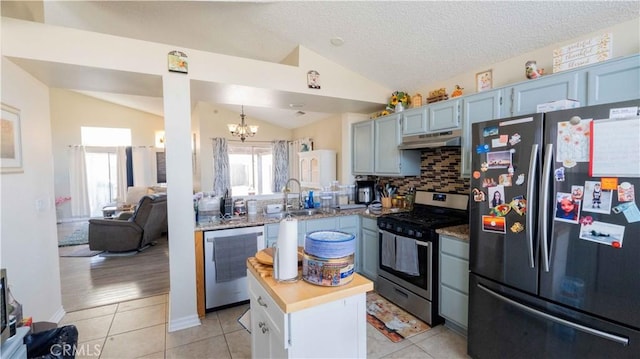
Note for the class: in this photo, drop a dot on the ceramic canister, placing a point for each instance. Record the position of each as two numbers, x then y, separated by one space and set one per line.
327 272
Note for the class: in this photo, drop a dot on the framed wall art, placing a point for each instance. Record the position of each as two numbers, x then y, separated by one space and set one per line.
484 81
10 140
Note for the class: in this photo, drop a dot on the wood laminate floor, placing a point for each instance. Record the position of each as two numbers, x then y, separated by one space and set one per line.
88 282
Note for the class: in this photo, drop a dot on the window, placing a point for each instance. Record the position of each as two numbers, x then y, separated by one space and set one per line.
101 161
250 169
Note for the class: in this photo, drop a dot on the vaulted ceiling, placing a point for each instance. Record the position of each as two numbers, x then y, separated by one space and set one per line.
398 44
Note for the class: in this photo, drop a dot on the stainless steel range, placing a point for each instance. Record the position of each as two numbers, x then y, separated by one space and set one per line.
408 259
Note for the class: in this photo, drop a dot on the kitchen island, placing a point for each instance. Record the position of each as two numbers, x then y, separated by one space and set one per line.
302 320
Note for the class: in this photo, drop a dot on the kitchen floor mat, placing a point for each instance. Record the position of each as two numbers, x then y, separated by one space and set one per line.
393 322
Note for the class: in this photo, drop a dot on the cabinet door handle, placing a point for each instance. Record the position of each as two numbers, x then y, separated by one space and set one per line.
261 302
264 327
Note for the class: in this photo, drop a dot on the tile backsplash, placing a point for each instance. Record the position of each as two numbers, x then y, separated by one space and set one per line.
439 171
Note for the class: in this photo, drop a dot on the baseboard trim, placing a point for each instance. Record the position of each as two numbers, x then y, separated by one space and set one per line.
58 315
184 323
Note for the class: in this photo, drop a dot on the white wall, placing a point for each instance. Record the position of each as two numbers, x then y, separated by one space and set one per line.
625 41
28 239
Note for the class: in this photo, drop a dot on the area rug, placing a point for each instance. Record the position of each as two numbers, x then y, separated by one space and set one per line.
245 320
393 322
79 236
81 250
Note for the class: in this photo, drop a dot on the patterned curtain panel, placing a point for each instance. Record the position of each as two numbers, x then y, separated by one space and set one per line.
221 174
280 151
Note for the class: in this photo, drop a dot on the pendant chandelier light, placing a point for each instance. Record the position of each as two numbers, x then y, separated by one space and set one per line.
242 130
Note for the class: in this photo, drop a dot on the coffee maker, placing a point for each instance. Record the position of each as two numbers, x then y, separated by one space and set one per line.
365 192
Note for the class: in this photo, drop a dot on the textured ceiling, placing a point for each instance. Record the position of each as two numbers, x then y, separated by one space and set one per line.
401 45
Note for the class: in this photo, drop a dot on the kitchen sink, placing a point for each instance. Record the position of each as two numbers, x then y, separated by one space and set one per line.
294 213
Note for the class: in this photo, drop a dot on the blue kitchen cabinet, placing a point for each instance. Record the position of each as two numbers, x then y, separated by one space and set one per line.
479 107
454 282
444 115
613 81
362 147
388 159
369 248
526 96
414 121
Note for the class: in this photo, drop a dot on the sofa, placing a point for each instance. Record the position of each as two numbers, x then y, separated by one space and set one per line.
132 232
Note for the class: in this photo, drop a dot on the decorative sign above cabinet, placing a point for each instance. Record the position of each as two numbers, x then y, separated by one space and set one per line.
581 53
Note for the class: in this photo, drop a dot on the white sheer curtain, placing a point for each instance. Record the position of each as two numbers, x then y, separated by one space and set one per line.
280 152
121 174
144 166
78 182
221 172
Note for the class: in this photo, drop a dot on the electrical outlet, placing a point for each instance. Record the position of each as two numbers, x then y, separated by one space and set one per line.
41 205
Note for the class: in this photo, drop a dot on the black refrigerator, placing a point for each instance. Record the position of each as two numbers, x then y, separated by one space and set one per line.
555 235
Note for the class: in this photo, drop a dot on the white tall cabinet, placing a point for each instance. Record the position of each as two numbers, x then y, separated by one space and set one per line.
317 168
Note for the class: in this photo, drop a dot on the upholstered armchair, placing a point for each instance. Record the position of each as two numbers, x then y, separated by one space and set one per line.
140 230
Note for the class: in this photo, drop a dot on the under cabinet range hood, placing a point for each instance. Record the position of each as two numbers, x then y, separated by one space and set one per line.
430 140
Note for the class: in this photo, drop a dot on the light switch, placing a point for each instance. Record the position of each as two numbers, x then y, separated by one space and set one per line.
41 205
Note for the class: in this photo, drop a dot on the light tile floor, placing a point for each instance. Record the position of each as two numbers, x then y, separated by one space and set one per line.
138 329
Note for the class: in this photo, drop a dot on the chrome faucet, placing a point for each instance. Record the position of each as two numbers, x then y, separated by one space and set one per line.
286 190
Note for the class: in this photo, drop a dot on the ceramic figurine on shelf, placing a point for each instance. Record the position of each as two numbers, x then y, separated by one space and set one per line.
457 92
532 71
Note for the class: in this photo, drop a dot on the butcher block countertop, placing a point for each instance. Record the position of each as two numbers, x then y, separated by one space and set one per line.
292 297
460 232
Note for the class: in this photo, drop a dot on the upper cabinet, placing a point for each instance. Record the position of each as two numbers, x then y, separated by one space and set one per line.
611 81
414 121
379 154
317 168
614 81
444 116
526 96
483 106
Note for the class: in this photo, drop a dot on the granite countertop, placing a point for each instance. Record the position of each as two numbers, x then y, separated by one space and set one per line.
459 232
259 219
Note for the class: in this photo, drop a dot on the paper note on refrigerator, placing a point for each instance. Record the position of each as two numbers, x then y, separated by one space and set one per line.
615 148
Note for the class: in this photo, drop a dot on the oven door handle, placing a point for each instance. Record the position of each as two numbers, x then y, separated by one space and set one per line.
423 244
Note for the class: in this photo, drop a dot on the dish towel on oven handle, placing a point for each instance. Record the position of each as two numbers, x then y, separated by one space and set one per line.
388 255
230 255
407 256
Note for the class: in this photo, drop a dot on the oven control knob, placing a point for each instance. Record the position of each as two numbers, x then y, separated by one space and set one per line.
418 234
410 232
399 229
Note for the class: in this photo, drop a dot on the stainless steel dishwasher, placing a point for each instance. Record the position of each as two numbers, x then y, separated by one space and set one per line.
230 287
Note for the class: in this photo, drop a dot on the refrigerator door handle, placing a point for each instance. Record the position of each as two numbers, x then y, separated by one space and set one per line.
614 338
533 161
544 205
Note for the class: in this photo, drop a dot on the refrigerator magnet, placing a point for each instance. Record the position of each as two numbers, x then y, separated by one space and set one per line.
586 220
484 167
494 224
515 138
483 148
520 179
499 159
489 182
609 183
558 174
496 195
478 195
596 199
572 142
490 131
500 141
626 192
500 210
567 209
603 233
519 205
504 180
476 174
517 227
630 210
577 192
